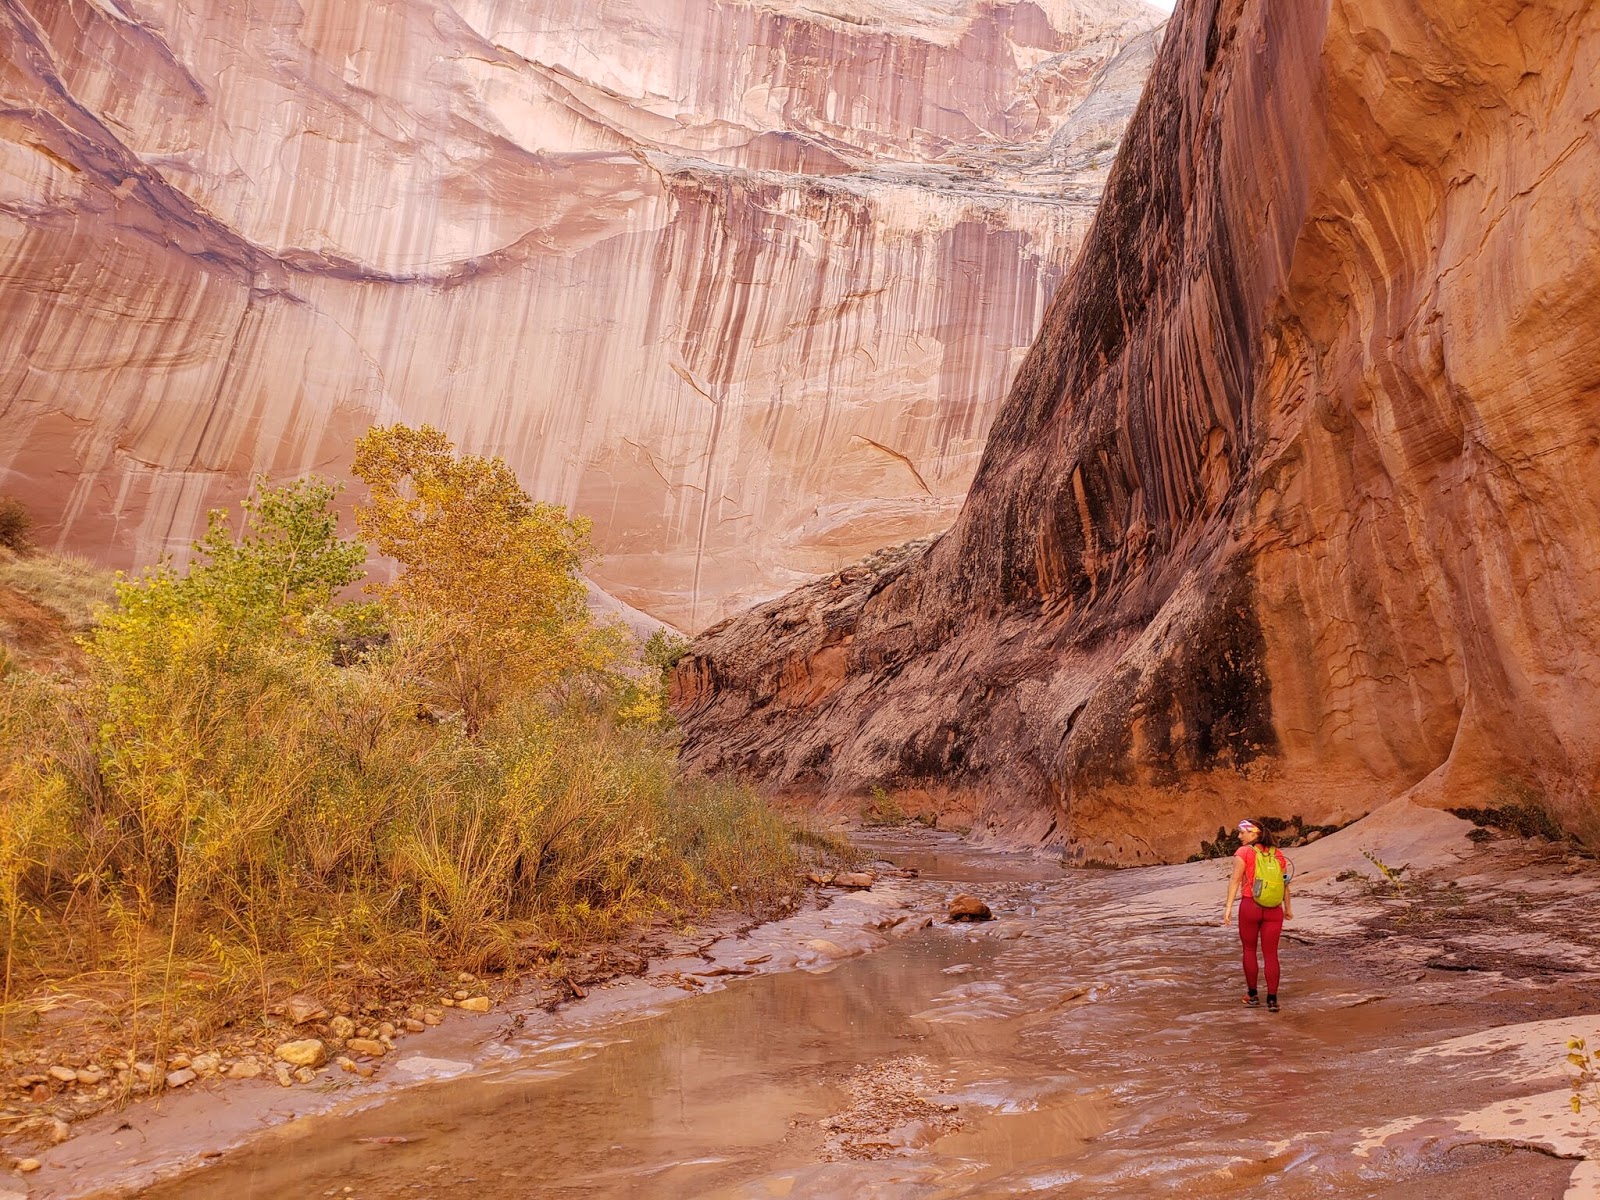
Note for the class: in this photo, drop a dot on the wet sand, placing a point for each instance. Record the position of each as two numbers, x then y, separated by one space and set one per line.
1089 1042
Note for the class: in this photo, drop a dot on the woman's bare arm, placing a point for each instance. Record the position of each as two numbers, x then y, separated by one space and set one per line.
1233 889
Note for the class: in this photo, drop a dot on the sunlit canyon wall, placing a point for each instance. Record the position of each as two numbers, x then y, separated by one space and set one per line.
742 280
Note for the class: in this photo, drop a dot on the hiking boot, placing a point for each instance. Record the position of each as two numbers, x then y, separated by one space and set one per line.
1272 1004
1252 1001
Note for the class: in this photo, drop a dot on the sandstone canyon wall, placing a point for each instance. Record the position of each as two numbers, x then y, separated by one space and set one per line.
1295 505
742 280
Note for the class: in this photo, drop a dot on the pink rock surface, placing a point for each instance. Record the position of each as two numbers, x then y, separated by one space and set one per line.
742 280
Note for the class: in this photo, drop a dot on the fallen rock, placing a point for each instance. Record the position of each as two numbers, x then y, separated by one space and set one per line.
820 878
366 1047
90 1076
206 1065
342 1028
477 1004
57 1131
300 1008
284 1076
247 1068
310 1052
854 879
64 1074
181 1077
969 908
28 1165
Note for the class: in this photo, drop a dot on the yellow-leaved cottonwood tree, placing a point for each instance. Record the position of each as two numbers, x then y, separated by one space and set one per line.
489 592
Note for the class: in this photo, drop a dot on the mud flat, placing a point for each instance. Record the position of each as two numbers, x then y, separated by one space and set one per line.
1088 1041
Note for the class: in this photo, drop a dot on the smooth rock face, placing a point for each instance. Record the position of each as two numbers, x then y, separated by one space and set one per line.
1293 507
742 280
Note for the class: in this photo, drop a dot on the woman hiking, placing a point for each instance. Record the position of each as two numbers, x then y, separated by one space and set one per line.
1261 881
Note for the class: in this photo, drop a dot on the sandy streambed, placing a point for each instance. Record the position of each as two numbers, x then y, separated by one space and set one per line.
1089 1042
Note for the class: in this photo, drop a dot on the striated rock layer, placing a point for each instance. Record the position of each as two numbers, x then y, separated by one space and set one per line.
743 280
1294 505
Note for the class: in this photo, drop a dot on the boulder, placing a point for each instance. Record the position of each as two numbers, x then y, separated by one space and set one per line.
309 1052
969 908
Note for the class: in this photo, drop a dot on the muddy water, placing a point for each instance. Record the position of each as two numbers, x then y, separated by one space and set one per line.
1067 1049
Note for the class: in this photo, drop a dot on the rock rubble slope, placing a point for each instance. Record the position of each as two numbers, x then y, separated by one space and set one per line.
1293 507
742 280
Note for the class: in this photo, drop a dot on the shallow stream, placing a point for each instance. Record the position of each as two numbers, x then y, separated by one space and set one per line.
1068 1048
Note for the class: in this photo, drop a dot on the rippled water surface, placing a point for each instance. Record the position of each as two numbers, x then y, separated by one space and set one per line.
1069 1048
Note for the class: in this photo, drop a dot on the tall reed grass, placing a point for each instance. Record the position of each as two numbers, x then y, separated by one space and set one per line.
226 810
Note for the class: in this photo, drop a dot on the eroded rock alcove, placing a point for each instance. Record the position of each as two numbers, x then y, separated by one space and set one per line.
1293 506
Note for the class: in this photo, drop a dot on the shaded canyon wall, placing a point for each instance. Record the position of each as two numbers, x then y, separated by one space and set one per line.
742 280
1295 504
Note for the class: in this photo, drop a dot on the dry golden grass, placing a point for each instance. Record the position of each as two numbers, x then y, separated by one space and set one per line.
210 821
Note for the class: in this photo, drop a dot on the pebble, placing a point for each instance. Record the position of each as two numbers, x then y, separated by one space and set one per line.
462 994
366 1047
178 1062
90 1076
414 1026
477 1004
181 1078
57 1131
245 1068
304 1074
432 1017
284 1077
854 879
28 1165
342 1028
64 1074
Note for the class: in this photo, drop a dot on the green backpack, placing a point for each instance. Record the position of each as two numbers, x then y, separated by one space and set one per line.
1269 881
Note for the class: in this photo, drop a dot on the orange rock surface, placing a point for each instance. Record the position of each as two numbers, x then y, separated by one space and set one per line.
742 280
1295 505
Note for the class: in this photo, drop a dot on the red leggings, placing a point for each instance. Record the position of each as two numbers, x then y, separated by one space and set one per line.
1266 924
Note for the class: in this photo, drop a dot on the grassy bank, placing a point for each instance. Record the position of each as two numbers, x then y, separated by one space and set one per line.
249 784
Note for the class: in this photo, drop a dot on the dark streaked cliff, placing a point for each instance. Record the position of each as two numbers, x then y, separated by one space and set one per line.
1292 506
